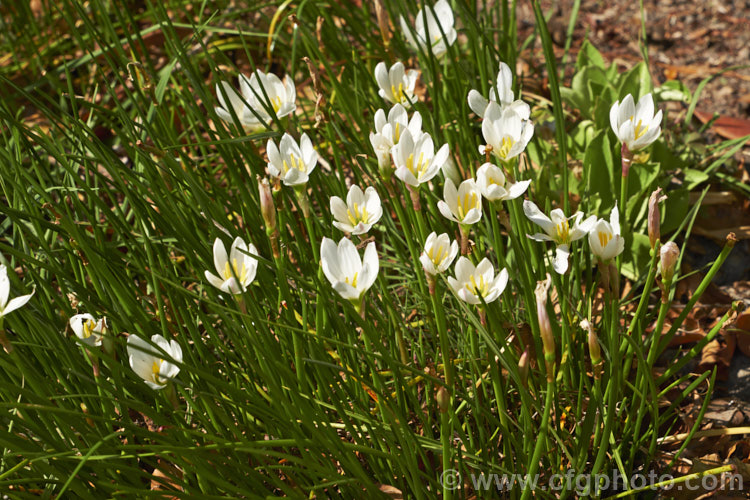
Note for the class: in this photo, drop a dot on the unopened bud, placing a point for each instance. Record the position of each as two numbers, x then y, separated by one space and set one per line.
523 367
383 22
268 211
654 217
595 350
545 327
669 254
451 172
443 399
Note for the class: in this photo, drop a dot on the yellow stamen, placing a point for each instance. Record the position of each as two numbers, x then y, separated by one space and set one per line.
294 162
231 271
421 166
478 289
398 94
396 133
358 215
276 103
563 231
88 328
354 280
604 238
468 204
505 147
638 132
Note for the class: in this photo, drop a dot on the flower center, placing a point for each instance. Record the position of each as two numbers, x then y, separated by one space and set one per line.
505 147
562 230
230 271
354 280
357 215
276 104
88 328
604 238
469 202
398 93
420 168
294 162
477 289
638 130
438 259
156 371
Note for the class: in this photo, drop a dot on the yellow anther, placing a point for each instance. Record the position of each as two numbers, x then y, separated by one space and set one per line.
276 103
505 147
638 131
478 289
563 231
88 328
604 238
231 270
354 280
398 94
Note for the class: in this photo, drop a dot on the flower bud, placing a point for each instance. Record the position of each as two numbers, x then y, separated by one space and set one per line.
545 327
451 172
595 351
268 211
523 367
669 254
443 399
654 217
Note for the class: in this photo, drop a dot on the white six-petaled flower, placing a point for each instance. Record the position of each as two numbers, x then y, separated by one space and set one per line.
462 205
415 159
260 93
557 228
291 162
6 306
501 93
360 211
438 253
388 131
433 28
349 275
635 125
149 363
235 271
605 239
396 84
506 131
492 184
88 329
471 282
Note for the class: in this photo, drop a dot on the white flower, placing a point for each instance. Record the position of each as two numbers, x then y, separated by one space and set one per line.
360 211
438 253
88 329
388 131
501 93
260 93
605 240
349 276
491 182
416 161
557 229
472 282
236 271
432 25
291 162
506 131
635 125
463 205
396 84
148 362
6 307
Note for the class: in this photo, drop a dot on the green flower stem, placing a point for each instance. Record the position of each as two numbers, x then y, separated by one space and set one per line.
448 368
679 480
446 434
541 440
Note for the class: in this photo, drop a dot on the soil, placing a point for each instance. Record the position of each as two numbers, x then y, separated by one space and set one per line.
687 41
